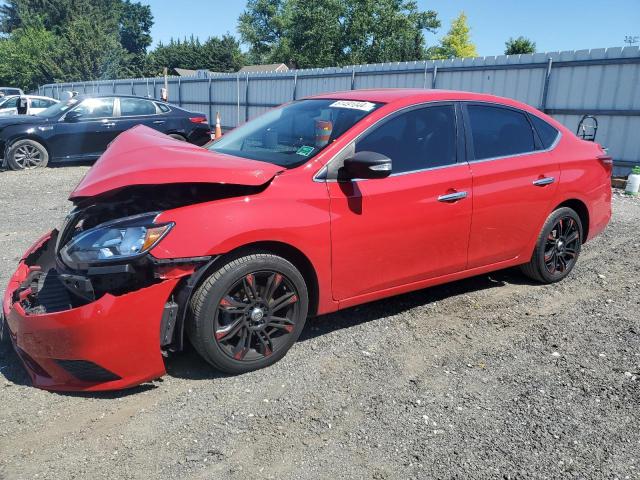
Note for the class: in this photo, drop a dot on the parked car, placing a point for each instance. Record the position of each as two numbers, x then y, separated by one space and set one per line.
35 104
322 204
4 91
81 127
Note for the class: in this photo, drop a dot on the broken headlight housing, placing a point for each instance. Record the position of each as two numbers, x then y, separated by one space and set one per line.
122 239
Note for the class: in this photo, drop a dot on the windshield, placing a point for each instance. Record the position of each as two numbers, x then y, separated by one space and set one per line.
58 108
290 135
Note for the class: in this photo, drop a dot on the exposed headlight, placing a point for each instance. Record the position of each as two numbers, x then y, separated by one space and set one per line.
117 240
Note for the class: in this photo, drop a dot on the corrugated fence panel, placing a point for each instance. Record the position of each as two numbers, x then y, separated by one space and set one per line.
603 82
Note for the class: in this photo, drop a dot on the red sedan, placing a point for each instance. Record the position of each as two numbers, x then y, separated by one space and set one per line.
321 204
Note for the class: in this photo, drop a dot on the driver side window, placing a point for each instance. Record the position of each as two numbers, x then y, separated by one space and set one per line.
416 140
95 108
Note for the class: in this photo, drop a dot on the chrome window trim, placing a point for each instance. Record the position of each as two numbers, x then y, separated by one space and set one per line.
323 170
525 113
97 119
533 152
155 104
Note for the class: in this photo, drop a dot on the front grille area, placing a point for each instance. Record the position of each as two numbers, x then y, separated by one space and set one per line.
53 296
87 371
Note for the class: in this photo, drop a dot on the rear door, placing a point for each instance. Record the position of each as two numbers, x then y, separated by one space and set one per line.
514 182
412 225
139 111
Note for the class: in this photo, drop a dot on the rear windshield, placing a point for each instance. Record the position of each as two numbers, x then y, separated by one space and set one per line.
294 133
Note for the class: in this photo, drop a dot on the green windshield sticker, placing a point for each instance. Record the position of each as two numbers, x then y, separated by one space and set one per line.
305 151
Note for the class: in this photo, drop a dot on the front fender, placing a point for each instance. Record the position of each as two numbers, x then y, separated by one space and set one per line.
293 212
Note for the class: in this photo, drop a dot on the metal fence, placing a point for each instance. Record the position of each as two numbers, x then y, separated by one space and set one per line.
601 82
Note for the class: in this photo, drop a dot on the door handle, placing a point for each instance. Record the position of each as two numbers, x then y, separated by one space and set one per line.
158 122
541 182
452 197
109 124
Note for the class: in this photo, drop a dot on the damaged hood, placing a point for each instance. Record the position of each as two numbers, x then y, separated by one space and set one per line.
143 156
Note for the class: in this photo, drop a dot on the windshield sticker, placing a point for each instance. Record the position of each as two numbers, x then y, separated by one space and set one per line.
364 106
305 150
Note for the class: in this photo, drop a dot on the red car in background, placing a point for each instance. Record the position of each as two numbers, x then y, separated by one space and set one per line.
321 204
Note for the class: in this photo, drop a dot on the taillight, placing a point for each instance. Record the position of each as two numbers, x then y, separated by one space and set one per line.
607 162
198 119
606 159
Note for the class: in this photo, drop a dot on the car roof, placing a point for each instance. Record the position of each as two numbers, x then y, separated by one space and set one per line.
109 95
416 95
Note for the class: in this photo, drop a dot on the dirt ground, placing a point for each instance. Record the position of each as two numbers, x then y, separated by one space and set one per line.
484 378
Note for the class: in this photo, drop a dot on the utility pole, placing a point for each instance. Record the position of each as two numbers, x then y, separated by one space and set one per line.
631 39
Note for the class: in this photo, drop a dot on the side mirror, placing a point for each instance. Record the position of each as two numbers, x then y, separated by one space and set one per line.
72 116
367 165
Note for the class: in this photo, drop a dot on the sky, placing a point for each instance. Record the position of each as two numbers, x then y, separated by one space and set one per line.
553 24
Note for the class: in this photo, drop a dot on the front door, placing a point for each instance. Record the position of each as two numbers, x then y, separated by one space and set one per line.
412 225
88 135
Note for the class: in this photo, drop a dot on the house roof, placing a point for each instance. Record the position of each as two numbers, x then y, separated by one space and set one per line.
271 67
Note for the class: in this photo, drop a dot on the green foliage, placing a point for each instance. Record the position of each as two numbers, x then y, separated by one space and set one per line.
22 63
457 42
81 39
335 32
216 54
520 45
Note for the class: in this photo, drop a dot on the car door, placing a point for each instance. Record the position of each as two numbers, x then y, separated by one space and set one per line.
514 182
139 111
9 107
412 225
84 131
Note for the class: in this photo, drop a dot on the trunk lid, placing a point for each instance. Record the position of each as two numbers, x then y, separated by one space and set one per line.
143 156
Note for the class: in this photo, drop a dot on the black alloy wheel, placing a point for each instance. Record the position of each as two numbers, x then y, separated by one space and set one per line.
561 246
256 315
248 313
557 248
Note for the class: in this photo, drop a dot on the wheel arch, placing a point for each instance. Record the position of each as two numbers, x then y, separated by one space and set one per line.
184 291
26 136
583 212
289 253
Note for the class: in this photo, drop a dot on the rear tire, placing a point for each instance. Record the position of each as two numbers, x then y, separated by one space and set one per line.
26 155
178 137
557 248
248 313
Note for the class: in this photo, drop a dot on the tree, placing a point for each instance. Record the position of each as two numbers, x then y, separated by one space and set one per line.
386 31
219 54
520 45
457 42
335 32
22 63
94 40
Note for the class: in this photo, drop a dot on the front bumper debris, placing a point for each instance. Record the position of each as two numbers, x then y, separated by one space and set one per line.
106 344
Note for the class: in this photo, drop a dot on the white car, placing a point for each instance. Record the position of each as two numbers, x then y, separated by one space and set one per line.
35 104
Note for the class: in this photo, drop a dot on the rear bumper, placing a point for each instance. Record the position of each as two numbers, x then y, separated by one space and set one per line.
111 343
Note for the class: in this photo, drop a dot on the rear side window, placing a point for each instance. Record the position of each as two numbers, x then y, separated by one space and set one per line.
416 140
163 108
41 103
546 132
499 132
136 106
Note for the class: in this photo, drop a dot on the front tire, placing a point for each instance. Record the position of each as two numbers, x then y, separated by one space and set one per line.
557 248
248 313
26 155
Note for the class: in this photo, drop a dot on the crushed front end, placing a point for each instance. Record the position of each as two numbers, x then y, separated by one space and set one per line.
98 317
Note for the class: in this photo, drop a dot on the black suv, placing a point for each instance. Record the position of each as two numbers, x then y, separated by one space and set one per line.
82 127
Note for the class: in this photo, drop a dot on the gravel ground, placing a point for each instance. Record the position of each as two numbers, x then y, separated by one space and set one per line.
487 377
